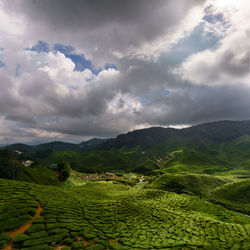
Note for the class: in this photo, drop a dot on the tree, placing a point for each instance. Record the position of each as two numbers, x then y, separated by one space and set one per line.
9 165
64 168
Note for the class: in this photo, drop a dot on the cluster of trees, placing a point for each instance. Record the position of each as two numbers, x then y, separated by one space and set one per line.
9 166
64 169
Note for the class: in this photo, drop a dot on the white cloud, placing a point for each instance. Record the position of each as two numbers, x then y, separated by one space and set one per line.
124 103
61 70
107 75
10 25
42 96
139 29
228 64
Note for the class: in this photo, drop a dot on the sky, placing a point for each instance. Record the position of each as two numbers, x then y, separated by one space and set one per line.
71 70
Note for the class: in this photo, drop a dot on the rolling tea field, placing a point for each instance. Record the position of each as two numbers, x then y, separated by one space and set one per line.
106 215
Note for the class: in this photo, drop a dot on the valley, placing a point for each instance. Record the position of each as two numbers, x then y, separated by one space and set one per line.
186 189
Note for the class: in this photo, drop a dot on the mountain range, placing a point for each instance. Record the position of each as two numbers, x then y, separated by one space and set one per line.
216 132
189 187
57 146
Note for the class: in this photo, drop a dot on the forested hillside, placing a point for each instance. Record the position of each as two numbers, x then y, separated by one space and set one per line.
156 188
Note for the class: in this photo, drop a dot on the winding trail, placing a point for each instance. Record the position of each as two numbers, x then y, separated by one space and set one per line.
60 247
23 228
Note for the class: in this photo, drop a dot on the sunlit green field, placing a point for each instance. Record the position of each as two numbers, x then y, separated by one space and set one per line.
108 215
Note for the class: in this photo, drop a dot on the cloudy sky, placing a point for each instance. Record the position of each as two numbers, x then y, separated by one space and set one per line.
75 69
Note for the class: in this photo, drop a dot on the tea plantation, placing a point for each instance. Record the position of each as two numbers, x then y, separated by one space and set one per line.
108 215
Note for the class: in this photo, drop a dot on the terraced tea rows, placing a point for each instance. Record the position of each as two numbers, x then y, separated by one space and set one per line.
114 216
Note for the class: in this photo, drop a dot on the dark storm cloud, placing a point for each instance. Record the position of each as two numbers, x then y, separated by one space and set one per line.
192 105
8 100
109 24
79 15
53 96
234 64
187 105
40 92
88 127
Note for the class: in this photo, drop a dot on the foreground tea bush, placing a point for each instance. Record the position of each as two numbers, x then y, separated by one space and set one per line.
116 216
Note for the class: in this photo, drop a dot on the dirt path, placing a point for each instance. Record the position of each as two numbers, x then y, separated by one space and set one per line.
23 228
60 247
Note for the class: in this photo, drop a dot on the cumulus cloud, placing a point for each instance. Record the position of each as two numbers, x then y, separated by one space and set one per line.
228 64
53 97
173 63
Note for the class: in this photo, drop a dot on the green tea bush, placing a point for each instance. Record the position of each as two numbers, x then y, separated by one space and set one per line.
117 216
38 220
233 195
35 228
4 238
68 241
38 235
20 237
95 247
78 246
40 247
31 212
36 242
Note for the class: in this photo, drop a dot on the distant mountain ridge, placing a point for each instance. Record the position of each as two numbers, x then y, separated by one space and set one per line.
57 146
148 138
208 148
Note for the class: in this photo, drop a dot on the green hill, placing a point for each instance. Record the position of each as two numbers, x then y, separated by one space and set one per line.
195 184
12 168
57 146
38 174
216 132
115 216
210 148
233 195
156 188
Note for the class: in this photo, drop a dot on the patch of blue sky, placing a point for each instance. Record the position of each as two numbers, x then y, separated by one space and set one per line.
80 61
96 71
110 66
212 17
145 100
18 68
2 64
40 47
166 92
65 49
197 41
